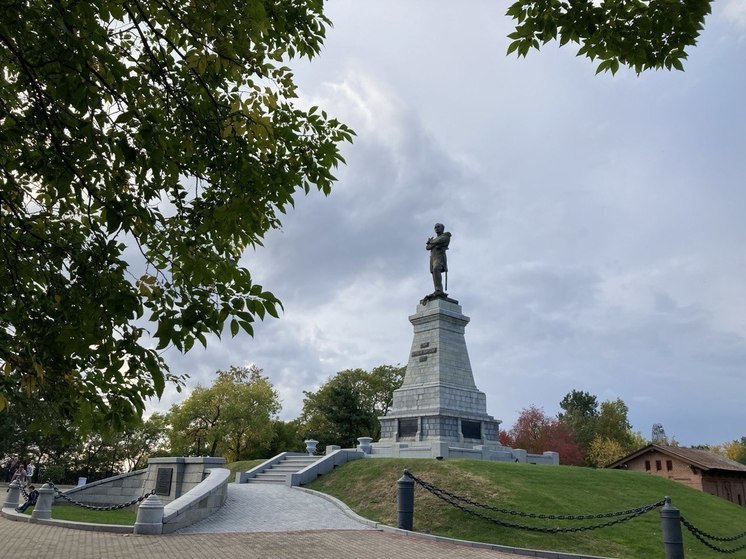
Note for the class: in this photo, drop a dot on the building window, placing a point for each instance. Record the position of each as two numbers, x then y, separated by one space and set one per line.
658 466
669 465
647 465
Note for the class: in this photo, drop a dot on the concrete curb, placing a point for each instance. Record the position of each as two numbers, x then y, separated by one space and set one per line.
12 514
343 507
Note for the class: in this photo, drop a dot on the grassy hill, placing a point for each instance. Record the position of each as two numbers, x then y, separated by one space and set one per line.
369 488
242 466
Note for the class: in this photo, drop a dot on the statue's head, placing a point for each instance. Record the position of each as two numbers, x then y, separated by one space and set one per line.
439 228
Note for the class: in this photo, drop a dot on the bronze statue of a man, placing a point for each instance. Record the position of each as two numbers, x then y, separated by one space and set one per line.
438 246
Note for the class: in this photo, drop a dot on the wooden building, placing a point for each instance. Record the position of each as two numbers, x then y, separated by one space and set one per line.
699 469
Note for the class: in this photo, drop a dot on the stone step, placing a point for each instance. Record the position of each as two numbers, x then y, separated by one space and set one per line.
278 473
270 476
284 469
262 480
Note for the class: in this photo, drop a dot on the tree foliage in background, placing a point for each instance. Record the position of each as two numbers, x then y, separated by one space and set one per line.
603 451
640 34
348 405
232 418
734 450
145 146
613 422
286 437
580 414
94 455
535 432
600 430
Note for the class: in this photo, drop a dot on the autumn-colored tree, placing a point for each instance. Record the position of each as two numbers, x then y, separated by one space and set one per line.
603 451
733 450
536 432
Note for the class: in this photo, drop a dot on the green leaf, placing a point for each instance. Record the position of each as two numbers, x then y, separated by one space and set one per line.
134 120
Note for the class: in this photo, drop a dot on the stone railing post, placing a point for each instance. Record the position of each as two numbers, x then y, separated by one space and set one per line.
311 446
13 496
405 501
149 516
673 544
43 506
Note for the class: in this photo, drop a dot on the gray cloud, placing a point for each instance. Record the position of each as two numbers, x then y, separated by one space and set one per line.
597 222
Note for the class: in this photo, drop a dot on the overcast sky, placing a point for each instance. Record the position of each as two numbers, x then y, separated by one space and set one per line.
598 222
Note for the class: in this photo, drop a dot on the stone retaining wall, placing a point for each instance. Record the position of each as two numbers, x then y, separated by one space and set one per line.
110 491
197 503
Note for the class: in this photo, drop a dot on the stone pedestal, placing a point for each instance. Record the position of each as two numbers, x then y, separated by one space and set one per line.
171 477
438 404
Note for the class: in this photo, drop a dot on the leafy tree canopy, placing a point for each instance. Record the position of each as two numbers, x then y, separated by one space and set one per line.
613 422
348 405
580 414
145 146
233 418
640 34
535 432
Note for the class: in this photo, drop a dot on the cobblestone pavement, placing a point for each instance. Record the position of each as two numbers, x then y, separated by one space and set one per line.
257 521
20 540
255 507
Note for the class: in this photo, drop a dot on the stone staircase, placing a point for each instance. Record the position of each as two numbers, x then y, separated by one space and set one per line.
279 472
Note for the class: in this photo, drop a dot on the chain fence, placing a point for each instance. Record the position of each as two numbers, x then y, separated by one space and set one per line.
93 507
707 538
464 504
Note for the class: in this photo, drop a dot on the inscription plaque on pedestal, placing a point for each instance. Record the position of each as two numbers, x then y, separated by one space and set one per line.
163 481
408 427
471 429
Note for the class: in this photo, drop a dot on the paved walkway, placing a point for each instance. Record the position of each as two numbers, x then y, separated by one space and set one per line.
20 540
255 507
251 524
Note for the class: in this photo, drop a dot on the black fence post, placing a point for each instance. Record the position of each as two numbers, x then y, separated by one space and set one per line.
673 544
405 501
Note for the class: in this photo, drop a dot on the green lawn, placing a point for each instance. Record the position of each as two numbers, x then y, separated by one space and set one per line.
78 514
243 466
369 487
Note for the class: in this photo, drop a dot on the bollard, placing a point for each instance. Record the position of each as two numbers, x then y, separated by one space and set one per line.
149 516
673 544
43 506
12 499
405 501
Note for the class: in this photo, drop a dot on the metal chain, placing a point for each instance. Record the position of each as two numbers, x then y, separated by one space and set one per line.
636 511
554 530
702 536
92 507
710 536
